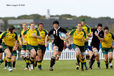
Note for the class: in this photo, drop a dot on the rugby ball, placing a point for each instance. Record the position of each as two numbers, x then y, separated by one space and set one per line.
62 35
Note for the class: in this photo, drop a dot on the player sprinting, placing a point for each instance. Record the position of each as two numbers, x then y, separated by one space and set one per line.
58 43
79 38
1 52
23 45
32 44
98 36
9 45
107 47
87 30
41 45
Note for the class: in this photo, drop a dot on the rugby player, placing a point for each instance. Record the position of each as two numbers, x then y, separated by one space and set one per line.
98 36
9 45
79 38
41 44
58 43
32 44
22 44
107 47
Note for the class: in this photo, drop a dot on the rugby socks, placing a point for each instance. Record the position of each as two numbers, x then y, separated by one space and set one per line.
110 63
92 60
40 64
14 64
2 60
27 62
82 66
106 63
5 63
52 62
24 58
35 63
83 63
98 64
32 60
78 60
9 61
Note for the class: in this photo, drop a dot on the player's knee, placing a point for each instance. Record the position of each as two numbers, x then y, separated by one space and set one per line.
23 53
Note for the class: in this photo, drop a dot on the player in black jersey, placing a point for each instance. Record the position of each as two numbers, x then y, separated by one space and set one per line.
98 36
58 43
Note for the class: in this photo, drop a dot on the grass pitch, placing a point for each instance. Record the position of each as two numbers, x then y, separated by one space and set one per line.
61 68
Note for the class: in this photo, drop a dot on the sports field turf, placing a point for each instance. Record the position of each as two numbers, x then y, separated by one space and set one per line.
61 68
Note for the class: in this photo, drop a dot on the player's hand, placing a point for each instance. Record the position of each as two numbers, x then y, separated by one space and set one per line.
1 46
25 42
96 34
34 35
46 45
41 43
21 43
62 38
15 48
39 37
83 39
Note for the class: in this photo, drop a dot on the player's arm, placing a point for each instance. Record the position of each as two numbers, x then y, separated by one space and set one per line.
84 38
36 36
46 33
70 34
16 43
20 39
23 36
67 34
101 38
89 32
2 35
48 37
112 35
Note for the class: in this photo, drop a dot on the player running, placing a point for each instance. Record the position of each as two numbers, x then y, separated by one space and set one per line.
32 44
9 45
41 44
79 38
107 47
22 44
1 52
87 30
98 36
58 42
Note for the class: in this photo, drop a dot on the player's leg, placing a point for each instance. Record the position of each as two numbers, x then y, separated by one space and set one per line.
77 50
110 56
28 49
95 51
14 54
39 52
36 60
53 58
105 53
83 58
1 60
8 55
27 60
23 53
32 57
5 66
1 54
91 55
13 61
